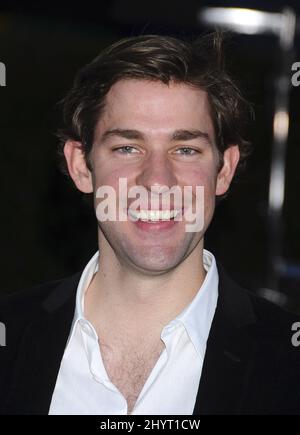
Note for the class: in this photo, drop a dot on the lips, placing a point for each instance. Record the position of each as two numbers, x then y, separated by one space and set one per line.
153 215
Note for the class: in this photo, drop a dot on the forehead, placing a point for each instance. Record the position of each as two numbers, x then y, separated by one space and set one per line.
155 106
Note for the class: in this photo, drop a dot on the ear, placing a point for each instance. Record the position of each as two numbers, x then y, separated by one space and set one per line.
231 158
77 166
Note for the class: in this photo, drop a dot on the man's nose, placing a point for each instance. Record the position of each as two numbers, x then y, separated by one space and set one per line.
157 171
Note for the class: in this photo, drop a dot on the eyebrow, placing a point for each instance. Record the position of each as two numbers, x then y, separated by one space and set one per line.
177 135
190 134
126 134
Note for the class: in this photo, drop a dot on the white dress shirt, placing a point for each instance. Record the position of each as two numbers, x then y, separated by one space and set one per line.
83 386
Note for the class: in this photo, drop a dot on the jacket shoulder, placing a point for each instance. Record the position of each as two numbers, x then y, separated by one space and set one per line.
26 304
243 303
272 317
28 299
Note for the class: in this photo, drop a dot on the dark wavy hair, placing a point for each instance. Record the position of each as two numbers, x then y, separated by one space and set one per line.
198 63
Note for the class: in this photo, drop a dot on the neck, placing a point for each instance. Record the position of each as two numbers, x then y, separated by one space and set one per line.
120 296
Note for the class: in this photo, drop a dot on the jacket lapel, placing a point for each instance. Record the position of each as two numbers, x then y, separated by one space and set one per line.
229 354
41 352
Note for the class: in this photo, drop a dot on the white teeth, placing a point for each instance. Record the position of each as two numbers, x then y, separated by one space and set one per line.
153 215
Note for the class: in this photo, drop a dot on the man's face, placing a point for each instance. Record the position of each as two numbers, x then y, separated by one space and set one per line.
156 135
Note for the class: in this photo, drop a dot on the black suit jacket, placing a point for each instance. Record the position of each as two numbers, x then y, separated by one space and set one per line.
250 366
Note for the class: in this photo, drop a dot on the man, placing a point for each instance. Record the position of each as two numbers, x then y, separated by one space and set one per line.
153 325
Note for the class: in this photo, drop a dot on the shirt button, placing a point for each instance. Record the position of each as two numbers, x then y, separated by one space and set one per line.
85 327
95 377
170 328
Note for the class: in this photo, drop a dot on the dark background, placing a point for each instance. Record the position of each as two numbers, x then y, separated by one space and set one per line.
47 230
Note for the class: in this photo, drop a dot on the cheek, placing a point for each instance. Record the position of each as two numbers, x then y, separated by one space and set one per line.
201 176
108 174
204 176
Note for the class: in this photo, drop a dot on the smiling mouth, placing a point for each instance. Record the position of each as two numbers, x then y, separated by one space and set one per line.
153 215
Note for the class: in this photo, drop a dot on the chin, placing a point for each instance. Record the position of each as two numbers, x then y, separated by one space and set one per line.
156 263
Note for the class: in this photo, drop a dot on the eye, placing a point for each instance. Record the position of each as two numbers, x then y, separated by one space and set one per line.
187 151
126 149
